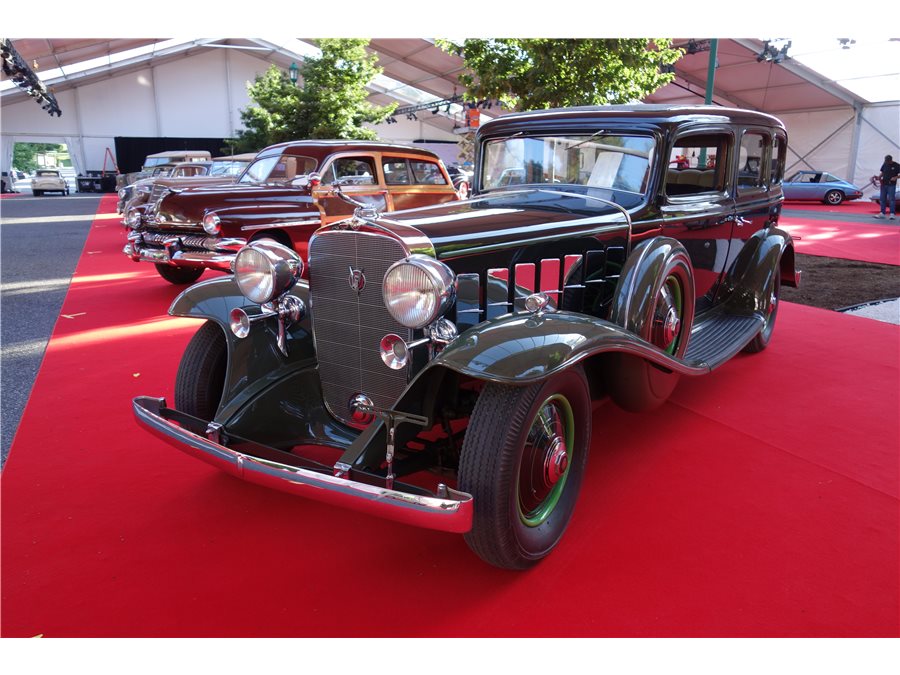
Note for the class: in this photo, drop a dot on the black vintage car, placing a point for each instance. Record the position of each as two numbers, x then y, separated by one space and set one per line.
457 348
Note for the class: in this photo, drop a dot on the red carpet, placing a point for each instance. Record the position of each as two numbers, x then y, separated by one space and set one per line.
859 207
761 501
874 242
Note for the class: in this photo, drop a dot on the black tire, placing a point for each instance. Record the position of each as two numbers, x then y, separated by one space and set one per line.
634 383
179 275
201 373
515 523
764 336
833 197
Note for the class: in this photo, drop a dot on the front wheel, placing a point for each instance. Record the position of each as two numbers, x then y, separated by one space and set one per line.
523 460
834 197
201 373
179 275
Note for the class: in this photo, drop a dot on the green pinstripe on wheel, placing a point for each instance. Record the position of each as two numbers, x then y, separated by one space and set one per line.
545 460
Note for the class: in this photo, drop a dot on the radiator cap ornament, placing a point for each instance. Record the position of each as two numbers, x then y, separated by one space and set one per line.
357 279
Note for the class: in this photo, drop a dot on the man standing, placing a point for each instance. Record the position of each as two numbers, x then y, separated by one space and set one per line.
888 177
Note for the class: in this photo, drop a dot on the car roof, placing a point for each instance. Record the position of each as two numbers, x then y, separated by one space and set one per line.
326 147
244 157
649 114
181 153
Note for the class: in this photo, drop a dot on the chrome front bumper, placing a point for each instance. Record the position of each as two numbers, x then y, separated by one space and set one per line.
450 512
183 250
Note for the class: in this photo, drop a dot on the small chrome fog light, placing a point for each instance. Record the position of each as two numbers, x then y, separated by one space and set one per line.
394 351
239 322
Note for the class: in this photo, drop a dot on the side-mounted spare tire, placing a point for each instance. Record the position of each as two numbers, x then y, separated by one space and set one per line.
654 300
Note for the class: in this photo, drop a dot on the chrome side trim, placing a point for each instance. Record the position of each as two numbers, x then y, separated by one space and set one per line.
273 226
450 513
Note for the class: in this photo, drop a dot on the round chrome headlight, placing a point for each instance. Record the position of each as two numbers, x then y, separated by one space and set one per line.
133 218
418 290
122 193
211 223
265 269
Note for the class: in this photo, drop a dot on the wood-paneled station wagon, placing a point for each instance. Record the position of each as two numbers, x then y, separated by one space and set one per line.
450 355
287 192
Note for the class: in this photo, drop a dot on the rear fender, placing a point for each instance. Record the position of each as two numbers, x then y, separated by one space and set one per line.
254 362
748 282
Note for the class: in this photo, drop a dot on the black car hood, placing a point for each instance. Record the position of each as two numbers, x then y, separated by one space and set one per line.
504 218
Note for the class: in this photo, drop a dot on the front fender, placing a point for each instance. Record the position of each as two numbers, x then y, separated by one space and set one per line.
518 350
524 348
255 362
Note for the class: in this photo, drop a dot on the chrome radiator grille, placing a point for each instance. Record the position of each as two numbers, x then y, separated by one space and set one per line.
349 325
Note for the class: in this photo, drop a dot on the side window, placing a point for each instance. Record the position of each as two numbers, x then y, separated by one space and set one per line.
353 170
779 155
395 171
752 159
427 173
698 164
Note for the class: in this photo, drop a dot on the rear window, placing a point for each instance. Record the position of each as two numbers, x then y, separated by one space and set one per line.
698 164
396 172
351 170
427 173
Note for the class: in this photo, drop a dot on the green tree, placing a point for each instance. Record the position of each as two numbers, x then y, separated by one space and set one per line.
24 154
329 103
536 73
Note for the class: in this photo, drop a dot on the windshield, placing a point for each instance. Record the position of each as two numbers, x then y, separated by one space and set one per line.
603 160
278 169
227 168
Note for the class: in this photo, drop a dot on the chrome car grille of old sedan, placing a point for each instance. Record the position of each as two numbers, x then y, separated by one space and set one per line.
187 240
346 269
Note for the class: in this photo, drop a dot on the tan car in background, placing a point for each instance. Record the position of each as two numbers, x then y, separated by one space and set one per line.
48 180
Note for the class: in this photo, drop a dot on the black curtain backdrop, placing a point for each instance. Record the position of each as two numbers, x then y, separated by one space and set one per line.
131 150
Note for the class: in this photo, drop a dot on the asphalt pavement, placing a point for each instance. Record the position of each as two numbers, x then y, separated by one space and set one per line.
41 240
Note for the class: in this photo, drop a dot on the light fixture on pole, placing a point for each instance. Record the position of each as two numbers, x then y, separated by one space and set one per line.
294 72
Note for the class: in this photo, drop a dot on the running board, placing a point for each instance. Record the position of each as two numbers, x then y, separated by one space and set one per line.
718 338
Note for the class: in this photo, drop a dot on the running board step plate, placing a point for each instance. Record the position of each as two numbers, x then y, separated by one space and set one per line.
718 338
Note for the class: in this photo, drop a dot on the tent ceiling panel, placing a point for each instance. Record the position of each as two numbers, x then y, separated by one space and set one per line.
56 53
740 80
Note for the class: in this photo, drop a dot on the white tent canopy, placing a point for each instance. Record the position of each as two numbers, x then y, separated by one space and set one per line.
182 88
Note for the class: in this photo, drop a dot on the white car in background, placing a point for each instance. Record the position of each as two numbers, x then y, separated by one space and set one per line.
48 180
